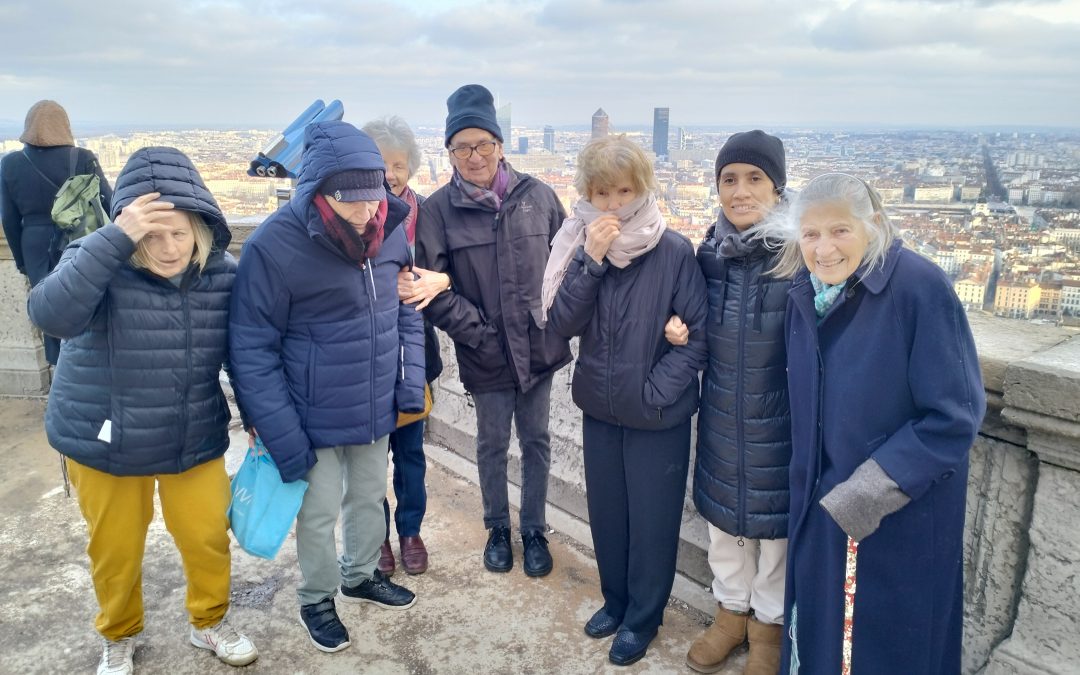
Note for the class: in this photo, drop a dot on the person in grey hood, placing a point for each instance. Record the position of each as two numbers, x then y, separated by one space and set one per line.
142 308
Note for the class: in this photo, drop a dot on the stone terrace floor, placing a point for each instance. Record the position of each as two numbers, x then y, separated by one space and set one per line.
466 620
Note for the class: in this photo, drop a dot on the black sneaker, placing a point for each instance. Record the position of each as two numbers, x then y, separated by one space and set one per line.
537 557
498 557
324 627
379 590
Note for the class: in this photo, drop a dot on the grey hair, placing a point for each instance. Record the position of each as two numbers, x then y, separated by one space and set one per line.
393 133
782 229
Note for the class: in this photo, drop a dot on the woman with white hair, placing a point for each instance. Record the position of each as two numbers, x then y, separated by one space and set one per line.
397 144
886 400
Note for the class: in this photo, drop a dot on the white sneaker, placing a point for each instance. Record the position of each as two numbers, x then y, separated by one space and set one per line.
116 657
230 646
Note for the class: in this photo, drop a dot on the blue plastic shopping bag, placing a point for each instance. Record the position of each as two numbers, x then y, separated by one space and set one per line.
263 508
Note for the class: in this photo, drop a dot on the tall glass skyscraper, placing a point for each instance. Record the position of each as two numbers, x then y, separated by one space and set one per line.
599 123
660 131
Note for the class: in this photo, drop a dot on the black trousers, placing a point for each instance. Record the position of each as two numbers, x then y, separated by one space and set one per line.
635 484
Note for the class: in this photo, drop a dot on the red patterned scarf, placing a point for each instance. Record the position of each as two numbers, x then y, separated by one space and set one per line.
356 246
409 197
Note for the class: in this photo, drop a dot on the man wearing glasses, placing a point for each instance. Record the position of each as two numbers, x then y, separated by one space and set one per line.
490 230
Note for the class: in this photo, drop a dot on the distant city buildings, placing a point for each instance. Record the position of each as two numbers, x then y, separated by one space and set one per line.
1019 259
599 123
502 118
660 131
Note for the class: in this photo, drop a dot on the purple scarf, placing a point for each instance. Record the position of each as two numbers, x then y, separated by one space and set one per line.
489 198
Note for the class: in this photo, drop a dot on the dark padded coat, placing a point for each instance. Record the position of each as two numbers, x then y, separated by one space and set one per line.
496 265
744 426
627 373
138 351
324 353
26 200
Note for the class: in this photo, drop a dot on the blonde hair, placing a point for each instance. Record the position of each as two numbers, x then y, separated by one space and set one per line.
204 243
605 161
782 229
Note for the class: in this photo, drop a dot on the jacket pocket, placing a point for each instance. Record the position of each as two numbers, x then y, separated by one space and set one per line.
546 347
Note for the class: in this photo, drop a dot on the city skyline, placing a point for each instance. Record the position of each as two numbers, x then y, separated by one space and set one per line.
857 63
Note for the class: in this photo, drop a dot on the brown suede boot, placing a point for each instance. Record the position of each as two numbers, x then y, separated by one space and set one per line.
727 632
764 648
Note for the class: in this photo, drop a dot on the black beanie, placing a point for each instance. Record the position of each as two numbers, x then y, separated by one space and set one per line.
355 185
471 107
759 149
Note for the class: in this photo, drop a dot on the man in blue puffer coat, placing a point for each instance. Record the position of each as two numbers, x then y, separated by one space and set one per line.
324 356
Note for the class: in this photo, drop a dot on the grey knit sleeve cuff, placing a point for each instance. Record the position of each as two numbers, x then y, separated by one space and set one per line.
859 503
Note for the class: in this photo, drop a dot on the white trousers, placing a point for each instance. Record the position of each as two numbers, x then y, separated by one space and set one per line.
748 577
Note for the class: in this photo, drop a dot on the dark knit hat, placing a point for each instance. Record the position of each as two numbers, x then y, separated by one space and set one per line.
758 148
355 185
471 107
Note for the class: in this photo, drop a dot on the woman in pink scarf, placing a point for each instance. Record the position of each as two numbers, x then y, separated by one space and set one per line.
614 276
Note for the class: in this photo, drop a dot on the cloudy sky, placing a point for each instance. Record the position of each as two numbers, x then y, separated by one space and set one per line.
258 63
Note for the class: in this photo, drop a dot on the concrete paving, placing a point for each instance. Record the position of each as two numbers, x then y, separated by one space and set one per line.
466 620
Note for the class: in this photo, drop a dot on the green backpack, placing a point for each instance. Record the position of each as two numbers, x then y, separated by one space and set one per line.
76 208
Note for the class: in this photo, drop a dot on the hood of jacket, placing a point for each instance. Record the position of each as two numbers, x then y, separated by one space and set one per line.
333 147
170 172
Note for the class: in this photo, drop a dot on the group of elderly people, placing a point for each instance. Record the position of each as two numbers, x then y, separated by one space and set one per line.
840 394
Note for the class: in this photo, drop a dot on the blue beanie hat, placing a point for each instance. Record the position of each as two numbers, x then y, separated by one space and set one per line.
759 149
471 107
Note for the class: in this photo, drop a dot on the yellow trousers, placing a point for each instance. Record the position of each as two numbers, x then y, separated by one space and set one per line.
118 511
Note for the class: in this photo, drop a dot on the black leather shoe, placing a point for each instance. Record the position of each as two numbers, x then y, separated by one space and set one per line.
498 557
537 557
628 647
601 624
324 627
379 590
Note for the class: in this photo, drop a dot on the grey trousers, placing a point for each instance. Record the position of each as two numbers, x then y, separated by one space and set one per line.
495 411
350 480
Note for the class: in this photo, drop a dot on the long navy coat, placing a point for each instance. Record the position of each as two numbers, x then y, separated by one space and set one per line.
323 352
139 352
890 374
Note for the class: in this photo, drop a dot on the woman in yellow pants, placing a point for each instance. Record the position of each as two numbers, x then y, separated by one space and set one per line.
142 307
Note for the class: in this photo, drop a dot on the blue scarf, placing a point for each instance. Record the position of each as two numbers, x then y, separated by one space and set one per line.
825 295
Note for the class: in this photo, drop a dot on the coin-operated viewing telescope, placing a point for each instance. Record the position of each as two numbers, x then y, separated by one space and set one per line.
281 158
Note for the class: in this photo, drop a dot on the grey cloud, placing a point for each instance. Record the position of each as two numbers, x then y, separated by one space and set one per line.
556 60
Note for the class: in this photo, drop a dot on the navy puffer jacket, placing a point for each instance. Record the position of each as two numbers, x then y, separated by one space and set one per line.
626 372
744 425
323 352
140 354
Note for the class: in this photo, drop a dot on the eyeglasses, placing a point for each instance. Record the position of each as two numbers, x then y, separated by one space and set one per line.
483 148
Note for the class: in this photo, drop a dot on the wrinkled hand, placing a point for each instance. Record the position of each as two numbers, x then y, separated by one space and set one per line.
599 234
421 286
252 435
676 331
143 216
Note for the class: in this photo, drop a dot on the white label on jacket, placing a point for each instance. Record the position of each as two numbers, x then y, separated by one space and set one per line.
105 434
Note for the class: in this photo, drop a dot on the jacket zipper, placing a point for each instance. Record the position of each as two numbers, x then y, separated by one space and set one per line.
187 384
739 411
371 316
610 350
